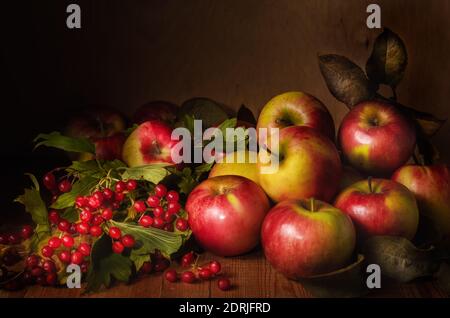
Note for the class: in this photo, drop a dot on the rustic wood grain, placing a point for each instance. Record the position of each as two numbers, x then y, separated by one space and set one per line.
251 277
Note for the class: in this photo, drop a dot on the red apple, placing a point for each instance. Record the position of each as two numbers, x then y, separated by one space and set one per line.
302 238
225 214
431 187
376 138
296 109
380 207
156 110
109 148
95 122
309 166
149 143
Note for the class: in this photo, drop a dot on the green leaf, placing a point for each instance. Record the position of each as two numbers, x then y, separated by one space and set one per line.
56 140
345 80
153 173
106 265
34 205
228 123
129 130
206 167
113 164
245 114
387 63
345 282
187 181
150 239
188 123
139 260
94 168
81 187
399 259
209 111
70 214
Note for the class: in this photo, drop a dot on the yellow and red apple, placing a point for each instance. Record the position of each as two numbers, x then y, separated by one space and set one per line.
302 238
431 187
380 207
225 214
309 166
376 138
149 143
296 109
229 165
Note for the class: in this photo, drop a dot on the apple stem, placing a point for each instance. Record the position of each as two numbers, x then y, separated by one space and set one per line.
313 205
369 180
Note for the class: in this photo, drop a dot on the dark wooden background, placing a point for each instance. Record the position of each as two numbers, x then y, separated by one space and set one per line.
234 51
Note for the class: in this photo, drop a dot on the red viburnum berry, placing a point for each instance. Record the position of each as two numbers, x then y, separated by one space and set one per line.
114 232
131 185
182 224
139 206
128 240
160 190
171 275
146 221
188 277
172 196
224 284
64 186
118 247
49 181
120 186
153 201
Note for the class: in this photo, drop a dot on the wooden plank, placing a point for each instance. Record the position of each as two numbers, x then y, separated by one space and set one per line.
251 277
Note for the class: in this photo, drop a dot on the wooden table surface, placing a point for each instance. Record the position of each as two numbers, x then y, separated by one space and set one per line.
250 275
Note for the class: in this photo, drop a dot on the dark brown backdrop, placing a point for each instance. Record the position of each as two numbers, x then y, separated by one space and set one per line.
234 51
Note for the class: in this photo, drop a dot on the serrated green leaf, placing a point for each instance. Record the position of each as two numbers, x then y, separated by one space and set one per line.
95 168
153 173
105 265
206 167
70 214
81 187
150 239
113 164
139 260
56 140
227 123
34 205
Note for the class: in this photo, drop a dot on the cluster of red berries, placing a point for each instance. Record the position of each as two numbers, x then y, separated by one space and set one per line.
120 242
158 264
40 271
161 210
16 238
204 272
67 250
56 188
